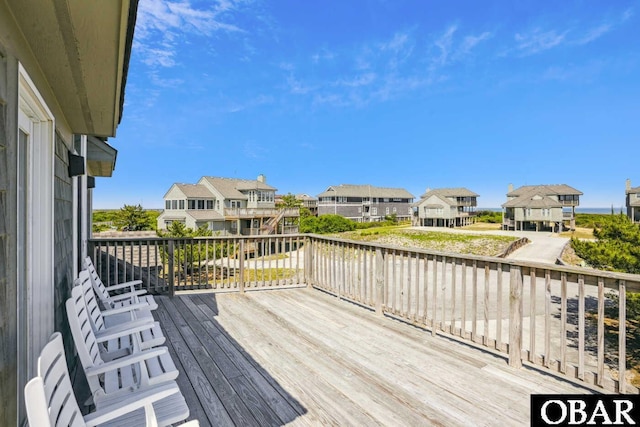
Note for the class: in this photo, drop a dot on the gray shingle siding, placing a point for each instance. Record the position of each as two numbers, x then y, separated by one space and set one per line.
63 243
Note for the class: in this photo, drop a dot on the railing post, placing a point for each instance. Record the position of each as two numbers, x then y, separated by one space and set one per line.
170 249
622 337
308 259
380 267
241 261
515 317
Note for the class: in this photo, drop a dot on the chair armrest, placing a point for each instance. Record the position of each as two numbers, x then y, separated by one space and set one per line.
130 284
136 400
123 330
125 309
125 361
131 324
127 295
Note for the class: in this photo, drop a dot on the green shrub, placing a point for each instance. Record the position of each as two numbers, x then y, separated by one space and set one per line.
489 216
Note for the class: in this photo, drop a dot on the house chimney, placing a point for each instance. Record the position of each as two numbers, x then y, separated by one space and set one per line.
628 184
427 190
510 188
262 178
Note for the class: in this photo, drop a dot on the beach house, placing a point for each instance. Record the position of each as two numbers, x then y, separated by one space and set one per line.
446 207
365 203
540 207
228 206
633 202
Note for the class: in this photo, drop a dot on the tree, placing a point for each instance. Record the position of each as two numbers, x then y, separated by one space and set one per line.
617 245
189 255
289 201
326 224
132 218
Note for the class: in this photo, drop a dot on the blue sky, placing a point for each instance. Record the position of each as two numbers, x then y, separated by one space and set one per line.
392 93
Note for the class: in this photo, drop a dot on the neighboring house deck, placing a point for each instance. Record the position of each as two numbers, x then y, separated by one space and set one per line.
227 206
633 202
365 203
446 207
309 202
303 357
540 207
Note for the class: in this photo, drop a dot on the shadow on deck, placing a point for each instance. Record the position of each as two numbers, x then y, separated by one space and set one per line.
222 384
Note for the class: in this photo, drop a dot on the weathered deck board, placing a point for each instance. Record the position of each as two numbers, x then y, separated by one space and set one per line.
301 356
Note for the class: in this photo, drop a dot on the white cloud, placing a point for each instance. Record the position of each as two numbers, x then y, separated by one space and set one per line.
163 16
470 42
251 103
595 33
297 87
160 23
357 81
443 43
538 41
322 55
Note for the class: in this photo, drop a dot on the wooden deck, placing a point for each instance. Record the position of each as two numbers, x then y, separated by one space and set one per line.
303 357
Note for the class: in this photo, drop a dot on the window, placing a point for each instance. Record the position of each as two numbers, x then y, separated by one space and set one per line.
387 210
386 200
374 211
217 204
181 204
191 204
167 204
394 210
200 204
174 204
359 209
209 204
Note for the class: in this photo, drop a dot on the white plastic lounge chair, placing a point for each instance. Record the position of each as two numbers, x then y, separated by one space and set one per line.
113 376
50 400
117 319
107 300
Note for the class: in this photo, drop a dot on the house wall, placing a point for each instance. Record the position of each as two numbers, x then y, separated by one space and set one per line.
14 50
63 243
555 215
447 210
355 211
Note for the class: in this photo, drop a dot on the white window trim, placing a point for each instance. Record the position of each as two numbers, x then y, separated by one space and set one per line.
39 216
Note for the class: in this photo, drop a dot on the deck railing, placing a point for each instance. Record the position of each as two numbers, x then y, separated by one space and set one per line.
571 321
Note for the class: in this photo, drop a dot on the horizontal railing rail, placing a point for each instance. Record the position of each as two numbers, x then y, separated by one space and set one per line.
567 320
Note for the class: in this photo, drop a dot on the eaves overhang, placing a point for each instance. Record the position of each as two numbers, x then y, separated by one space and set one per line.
82 48
101 157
